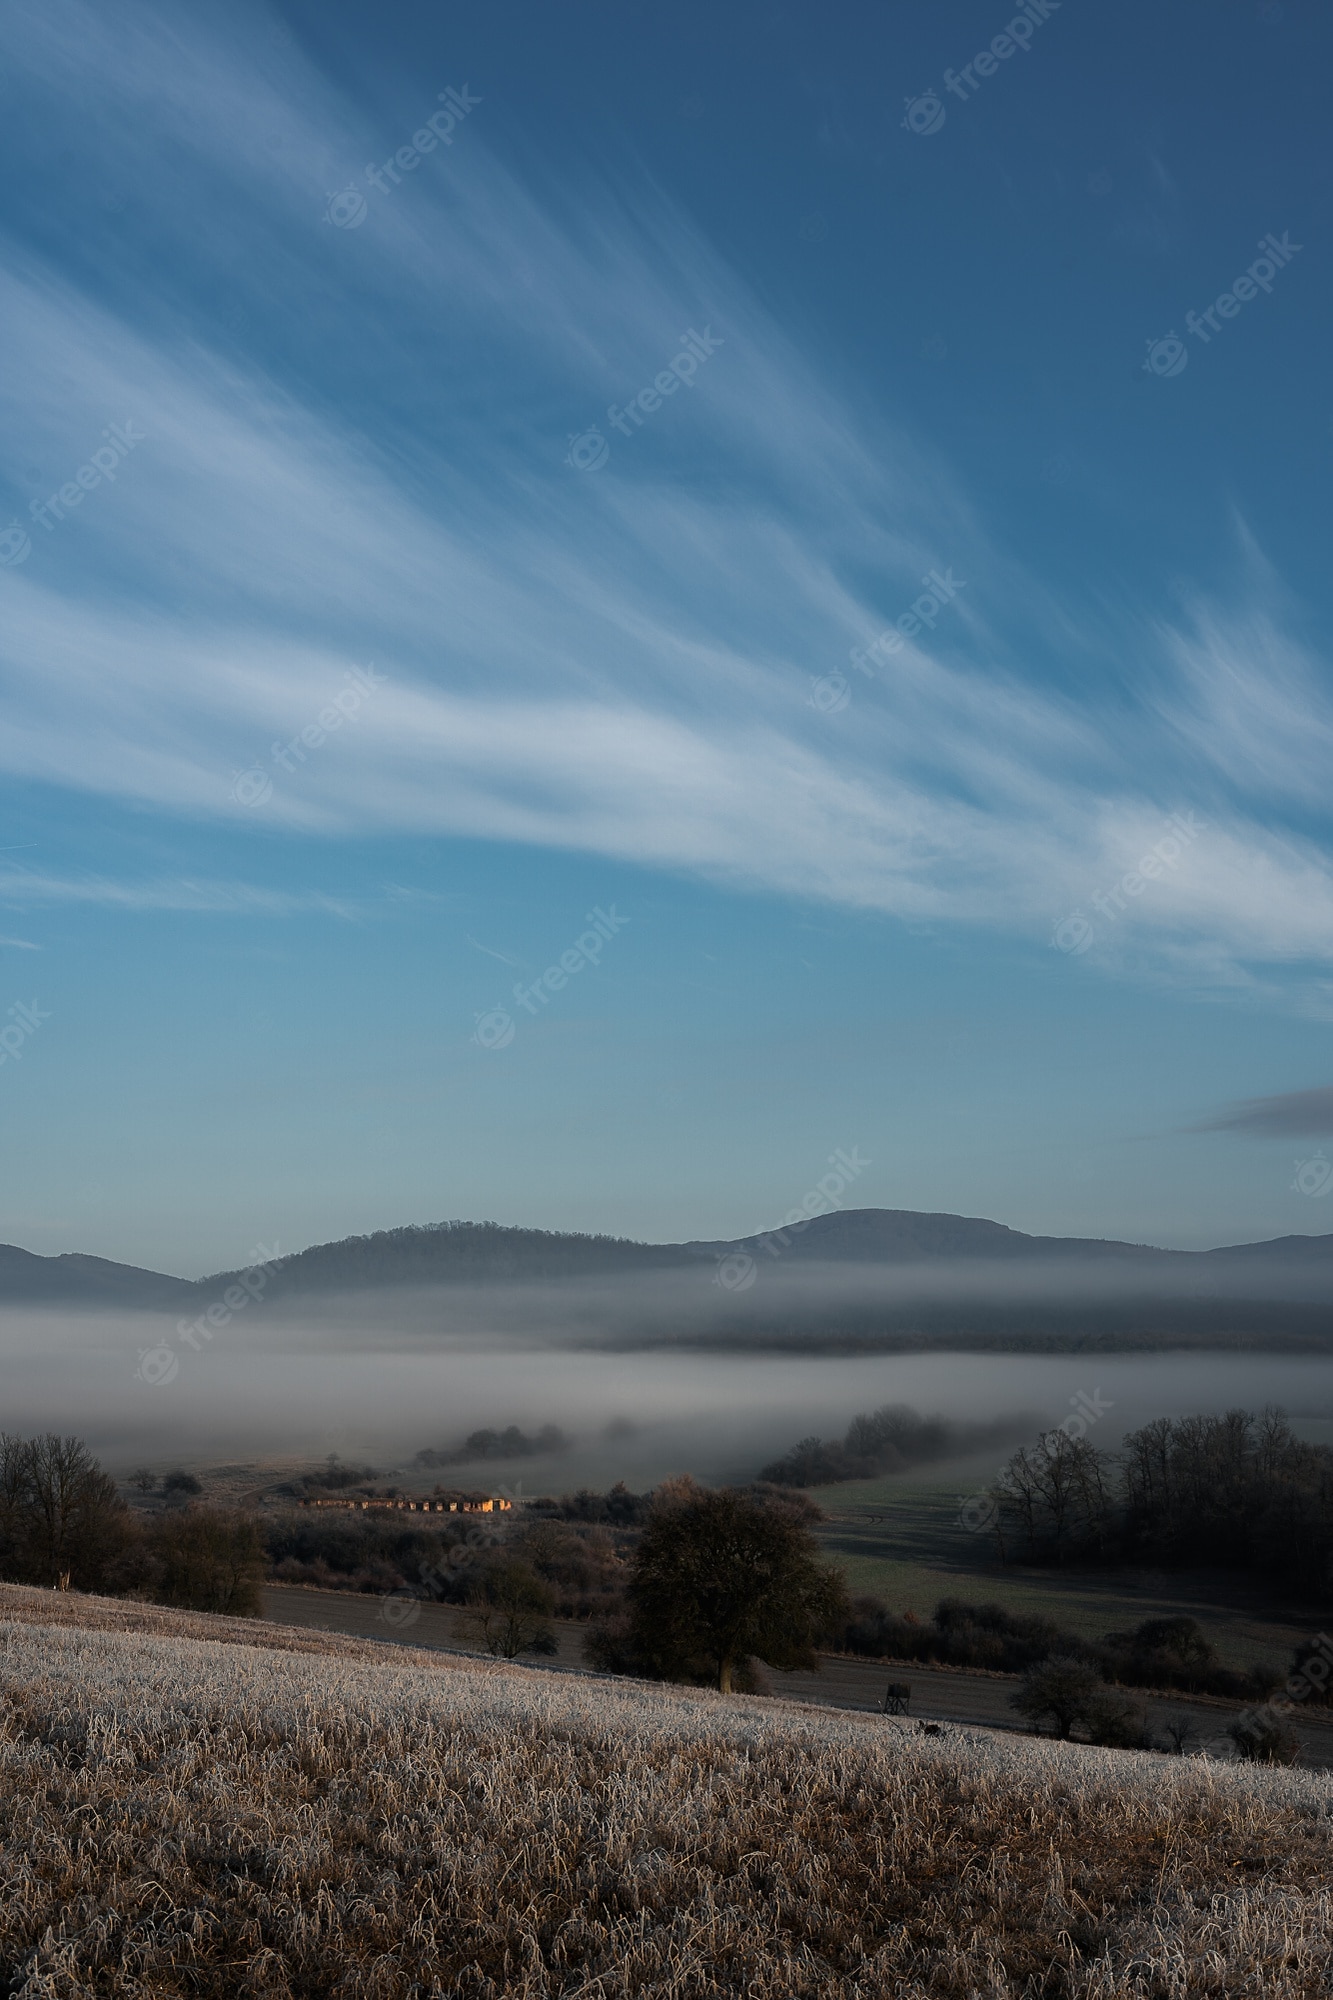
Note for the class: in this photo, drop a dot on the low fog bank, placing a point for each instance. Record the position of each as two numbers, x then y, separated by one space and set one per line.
283 1388
753 1303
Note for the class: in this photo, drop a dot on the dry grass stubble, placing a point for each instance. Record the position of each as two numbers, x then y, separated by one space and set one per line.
195 1817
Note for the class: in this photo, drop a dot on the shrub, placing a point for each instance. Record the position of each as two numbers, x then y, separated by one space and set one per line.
1262 1737
335 1478
508 1608
1181 1731
209 1559
1116 1722
960 1634
1063 1691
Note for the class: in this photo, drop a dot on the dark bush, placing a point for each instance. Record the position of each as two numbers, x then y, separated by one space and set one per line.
61 1517
1115 1722
335 1478
508 1606
1059 1691
617 1509
208 1559
1262 1737
959 1634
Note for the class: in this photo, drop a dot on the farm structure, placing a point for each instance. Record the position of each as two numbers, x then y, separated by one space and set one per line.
463 1504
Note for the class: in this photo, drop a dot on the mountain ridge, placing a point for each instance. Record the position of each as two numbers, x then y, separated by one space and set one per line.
488 1252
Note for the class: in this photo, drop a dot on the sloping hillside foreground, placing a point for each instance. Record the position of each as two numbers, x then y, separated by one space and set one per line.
277 1813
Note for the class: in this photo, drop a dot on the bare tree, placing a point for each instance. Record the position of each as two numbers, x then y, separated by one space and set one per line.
73 1519
1180 1732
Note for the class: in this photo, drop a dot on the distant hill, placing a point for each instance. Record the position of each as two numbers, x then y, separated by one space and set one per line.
76 1280
491 1253
911 1236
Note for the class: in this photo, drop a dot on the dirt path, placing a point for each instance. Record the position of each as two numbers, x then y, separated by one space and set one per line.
936 1696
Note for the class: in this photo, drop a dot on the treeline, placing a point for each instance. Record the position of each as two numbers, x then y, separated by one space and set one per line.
456 1252
1170 1653
885 1440
64 1525
508 1443
571 1551
1237 1491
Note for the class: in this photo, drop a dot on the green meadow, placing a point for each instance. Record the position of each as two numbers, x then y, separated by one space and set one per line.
900 1537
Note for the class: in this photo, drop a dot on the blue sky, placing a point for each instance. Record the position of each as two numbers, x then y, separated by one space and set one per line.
357 443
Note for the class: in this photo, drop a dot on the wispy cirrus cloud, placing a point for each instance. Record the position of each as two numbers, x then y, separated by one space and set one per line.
31 890
617 662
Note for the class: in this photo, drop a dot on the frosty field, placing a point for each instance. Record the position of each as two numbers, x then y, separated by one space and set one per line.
206 1807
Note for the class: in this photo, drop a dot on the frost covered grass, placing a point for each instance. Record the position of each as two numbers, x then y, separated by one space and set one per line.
208 1807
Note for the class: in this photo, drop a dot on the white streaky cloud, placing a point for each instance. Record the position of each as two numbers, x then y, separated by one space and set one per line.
31 890
1256 698
618 661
